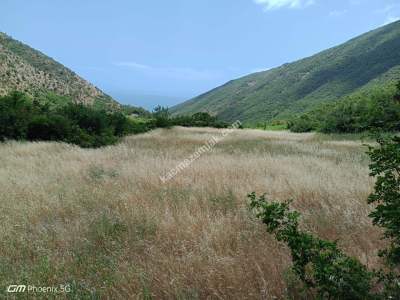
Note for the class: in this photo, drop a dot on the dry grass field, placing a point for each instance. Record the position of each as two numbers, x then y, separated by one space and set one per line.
102 220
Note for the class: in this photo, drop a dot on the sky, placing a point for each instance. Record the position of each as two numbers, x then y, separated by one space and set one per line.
165 51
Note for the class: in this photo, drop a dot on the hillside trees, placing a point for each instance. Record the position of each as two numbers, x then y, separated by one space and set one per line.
22 118
377 109
57 118
15 113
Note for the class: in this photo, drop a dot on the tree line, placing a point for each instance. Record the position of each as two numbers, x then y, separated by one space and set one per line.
55 118
377 108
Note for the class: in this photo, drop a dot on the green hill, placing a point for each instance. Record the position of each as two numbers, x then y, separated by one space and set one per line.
30 71
280 93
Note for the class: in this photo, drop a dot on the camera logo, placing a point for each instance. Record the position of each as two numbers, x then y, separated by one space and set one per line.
13 288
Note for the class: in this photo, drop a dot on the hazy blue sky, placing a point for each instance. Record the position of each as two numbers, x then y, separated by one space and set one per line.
181 48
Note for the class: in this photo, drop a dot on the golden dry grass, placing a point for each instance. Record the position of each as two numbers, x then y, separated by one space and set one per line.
102 221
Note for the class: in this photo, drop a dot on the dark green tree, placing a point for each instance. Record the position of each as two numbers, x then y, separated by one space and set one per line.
162 117
385 167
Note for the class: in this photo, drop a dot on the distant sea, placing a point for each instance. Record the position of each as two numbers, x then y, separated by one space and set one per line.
144 100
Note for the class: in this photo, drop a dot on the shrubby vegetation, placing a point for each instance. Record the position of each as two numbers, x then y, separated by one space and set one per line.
202 119
321 266
56 118
22 118
135 111
386 167
377 109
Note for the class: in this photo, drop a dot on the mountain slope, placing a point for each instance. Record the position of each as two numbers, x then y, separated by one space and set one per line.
296 87
25 69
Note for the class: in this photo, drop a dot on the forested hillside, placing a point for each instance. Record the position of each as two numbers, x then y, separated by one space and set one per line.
359 64
375 109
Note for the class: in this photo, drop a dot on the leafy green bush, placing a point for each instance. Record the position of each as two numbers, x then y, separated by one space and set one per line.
15 113
161 116
49 128
320 265
386 167
304 123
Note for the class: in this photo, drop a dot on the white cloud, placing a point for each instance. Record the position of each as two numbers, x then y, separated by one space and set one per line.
171 72
276 4
338 13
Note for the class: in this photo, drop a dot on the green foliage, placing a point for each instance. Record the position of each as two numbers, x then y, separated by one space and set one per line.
49 127
377 109
15 112
201 119
283 92
304 123
323 268
133 110
162 119
24 119
320 264
161 116
55 119
386 167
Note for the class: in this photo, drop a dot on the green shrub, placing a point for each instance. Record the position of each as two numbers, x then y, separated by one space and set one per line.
201 119
304 123
162 117
15 113
385 166
320 264
49 128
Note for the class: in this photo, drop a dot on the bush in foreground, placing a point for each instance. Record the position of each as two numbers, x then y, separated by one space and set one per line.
320 265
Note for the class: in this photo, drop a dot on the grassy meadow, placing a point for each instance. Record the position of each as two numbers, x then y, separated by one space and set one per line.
102 221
